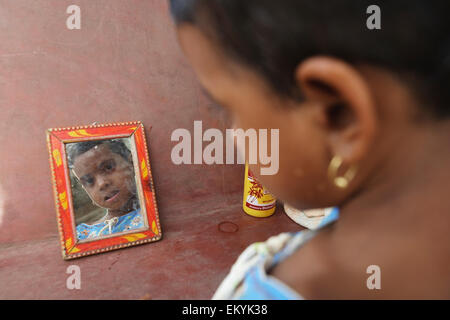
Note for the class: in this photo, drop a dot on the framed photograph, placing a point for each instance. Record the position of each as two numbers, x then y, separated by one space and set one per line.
103 188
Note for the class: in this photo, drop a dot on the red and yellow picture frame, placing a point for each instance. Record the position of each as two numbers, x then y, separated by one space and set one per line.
57 140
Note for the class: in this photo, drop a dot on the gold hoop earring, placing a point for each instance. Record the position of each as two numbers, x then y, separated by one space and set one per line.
340 181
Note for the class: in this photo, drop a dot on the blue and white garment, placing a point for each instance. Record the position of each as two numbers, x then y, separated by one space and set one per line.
248 278
129 221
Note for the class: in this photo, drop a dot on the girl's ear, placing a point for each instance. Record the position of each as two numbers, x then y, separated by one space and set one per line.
346 106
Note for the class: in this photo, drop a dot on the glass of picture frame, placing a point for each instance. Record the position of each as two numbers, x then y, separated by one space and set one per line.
103 188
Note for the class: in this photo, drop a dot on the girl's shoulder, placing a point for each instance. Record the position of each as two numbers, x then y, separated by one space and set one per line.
249 277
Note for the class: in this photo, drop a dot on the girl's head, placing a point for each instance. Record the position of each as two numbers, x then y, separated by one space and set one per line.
105 170
369 99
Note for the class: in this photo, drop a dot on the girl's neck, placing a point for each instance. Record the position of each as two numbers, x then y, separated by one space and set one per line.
412 187
131 205
400 223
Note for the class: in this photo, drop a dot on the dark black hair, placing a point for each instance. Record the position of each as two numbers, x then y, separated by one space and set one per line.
273 37
76 149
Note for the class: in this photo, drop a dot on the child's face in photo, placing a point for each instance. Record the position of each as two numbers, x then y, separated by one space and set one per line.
106 176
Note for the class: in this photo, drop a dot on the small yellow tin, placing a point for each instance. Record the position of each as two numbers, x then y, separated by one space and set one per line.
257 202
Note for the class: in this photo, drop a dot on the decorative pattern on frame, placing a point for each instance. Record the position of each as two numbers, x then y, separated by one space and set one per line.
71 246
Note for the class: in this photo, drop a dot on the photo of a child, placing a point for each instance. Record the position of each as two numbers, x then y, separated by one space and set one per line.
104 168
